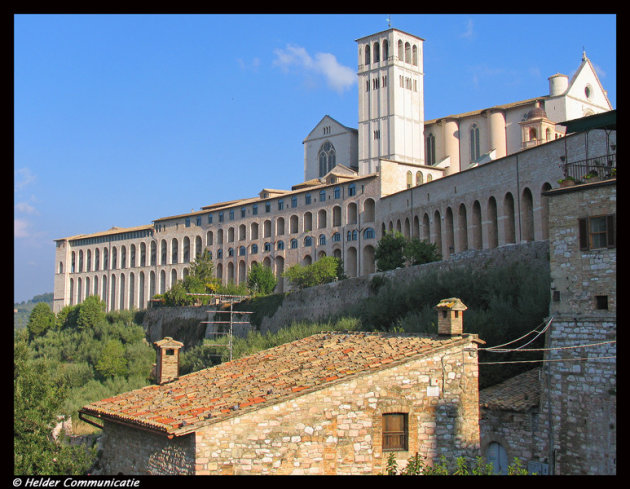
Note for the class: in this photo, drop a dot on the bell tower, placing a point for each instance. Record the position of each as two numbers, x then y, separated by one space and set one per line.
391 99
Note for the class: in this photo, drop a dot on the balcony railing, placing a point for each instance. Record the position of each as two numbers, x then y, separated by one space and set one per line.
602 166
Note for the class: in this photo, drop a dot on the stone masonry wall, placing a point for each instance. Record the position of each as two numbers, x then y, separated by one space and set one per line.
132 451
338 430
580 394
317 303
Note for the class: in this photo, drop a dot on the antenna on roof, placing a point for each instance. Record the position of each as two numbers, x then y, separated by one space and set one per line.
389 21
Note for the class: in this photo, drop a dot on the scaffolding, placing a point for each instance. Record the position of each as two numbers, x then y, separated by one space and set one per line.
222 300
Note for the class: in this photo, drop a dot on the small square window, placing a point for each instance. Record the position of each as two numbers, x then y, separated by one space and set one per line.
601 302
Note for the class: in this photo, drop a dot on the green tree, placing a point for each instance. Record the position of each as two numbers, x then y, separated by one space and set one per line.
202 269
37 398
91 312
390 252
324 270
112 362
417 252
261 279
41 320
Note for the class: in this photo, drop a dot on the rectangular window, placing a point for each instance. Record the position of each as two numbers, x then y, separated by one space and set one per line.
293 202
243 212
198 221
255 209
267 206
188 222
220 216
209 218
597 232
307 199
395 431
231 214
601 302
280 204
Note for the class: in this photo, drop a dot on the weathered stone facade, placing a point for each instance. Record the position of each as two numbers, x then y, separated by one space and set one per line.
580 383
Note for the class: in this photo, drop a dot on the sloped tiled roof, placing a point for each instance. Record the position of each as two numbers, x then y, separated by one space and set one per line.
519 393
264 378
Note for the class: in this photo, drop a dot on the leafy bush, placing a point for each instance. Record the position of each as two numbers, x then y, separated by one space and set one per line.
323 271
261 279
461 466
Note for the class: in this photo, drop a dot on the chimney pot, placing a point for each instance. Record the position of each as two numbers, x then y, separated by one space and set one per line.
167 366
450 316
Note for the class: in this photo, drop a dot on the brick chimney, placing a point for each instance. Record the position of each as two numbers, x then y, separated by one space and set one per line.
167 366
450 316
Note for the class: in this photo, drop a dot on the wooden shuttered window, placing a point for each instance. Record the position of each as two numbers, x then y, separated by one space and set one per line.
395 431
597 232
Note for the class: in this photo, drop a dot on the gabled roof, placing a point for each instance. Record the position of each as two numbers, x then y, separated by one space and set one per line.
264 378
329 120
519 393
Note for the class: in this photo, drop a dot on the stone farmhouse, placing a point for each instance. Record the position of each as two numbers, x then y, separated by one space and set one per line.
331 404
463 181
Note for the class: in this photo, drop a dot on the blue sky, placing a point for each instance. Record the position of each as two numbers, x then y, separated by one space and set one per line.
123 119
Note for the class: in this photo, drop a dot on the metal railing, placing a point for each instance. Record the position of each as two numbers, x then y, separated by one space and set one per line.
603 167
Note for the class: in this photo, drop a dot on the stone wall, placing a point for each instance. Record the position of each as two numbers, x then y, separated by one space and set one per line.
580 394
318 303
131 451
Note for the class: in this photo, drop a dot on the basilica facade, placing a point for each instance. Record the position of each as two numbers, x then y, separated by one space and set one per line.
464 181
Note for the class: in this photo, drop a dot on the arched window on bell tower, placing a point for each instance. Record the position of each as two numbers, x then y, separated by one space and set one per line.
327 158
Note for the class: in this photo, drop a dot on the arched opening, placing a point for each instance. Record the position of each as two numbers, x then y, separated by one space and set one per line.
242 272
242 232
368 260
162 281
174 251
352 216
186 249
351 262
321 218
509 221
293 224
462 228
493 223
308 222
280 226
426 227
527 218
337 216
437 230
369 213
544 203
477 240
450 234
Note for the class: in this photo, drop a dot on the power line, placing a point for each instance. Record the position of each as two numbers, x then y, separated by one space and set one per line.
550 360
551 349
535 330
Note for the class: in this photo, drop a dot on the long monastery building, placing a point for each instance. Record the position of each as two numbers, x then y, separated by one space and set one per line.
466 181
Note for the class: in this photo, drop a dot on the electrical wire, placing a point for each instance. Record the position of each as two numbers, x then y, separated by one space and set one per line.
552 349
549 360
535 330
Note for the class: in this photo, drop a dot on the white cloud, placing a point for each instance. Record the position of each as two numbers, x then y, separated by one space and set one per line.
23 177
25 208
337 76
469 32
20 228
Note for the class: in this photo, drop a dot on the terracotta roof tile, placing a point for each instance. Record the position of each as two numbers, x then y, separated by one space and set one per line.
519 393
264 378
